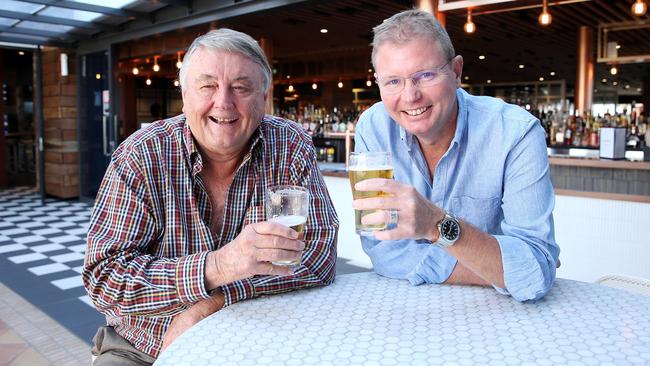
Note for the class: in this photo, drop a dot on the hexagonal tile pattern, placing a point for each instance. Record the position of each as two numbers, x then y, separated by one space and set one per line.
366 319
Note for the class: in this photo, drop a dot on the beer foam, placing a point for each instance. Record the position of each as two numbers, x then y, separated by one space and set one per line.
370 168
290 220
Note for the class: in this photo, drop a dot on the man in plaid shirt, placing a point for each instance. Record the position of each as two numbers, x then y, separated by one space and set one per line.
178 228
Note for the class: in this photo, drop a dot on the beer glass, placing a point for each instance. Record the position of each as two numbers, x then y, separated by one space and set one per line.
289 206
362 166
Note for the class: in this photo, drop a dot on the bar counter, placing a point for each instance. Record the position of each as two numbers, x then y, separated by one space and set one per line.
587 176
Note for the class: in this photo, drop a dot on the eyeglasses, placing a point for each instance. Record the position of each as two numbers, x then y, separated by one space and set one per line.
421 79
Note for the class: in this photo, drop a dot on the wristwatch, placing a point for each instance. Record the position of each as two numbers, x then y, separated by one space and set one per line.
449 230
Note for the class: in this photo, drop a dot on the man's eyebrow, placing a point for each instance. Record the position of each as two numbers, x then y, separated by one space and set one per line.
205 77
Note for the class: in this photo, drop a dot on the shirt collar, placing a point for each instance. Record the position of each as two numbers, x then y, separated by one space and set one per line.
258 139
461 122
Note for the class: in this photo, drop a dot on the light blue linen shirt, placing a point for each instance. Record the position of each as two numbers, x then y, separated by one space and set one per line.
495 175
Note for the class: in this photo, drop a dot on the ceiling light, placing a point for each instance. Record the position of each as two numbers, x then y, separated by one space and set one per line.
466 77
369 70
613 70
135 71
604 80
340 84
288 76
521 66
314 86
179 63
541 78
639 8
638 89
469 26
552 73
615 83
368 83
156 67
323 30
21 53
148 81
489 81
290 88
627 86
98 76
481 57
545 17
176 83
618 46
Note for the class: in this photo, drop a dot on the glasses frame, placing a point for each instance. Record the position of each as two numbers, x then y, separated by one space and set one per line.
413 77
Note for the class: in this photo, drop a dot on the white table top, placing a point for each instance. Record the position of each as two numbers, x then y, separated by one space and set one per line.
366 319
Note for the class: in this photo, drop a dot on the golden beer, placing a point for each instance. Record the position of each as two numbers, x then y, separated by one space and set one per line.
357 174
296 223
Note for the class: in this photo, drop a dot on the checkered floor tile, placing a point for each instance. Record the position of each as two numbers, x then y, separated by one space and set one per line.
54 235
42 249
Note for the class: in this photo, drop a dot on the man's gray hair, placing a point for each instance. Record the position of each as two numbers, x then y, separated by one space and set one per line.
229 40
408 25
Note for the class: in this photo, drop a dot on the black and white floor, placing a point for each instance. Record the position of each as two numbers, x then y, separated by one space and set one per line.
41 256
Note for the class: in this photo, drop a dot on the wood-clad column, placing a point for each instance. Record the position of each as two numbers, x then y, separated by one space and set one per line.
585 70
60 123
432 7
267 47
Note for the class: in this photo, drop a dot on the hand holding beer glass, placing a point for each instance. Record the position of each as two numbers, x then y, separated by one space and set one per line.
367 165
289 206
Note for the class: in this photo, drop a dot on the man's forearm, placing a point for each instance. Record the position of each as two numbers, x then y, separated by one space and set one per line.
478 253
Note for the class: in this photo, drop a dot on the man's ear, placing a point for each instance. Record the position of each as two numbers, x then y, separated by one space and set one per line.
457 67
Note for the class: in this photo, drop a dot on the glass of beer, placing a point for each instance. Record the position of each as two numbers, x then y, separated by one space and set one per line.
362 166
289 206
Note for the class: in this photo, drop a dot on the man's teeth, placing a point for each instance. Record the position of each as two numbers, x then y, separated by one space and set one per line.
415 112
222 120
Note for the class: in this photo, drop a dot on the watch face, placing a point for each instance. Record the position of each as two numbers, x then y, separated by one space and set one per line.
449 230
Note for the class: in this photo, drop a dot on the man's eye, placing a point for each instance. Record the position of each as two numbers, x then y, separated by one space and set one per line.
427 75
392 82
240 89
208 86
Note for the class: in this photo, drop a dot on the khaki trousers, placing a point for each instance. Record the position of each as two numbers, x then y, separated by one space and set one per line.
110 349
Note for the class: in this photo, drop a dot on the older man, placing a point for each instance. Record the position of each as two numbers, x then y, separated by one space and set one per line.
472 199
177 231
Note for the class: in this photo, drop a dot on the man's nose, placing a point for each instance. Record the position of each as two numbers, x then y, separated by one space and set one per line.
223 98
411 90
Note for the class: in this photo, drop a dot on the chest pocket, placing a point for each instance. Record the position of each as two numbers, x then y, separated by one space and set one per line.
484 213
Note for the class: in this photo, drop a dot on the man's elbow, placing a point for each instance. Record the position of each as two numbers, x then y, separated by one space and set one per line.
536 288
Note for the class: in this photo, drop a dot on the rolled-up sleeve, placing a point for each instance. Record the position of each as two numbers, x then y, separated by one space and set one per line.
528 248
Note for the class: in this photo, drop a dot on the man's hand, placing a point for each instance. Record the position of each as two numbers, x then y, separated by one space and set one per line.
252 252
191 316
417 215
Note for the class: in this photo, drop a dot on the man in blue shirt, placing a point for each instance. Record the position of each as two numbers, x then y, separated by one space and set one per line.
472 199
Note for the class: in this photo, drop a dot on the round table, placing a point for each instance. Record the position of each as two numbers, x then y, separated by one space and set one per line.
366 319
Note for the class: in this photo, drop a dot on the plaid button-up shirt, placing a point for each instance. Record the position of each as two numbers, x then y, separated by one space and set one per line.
150 231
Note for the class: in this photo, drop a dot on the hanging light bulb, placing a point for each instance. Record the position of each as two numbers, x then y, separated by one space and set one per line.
314 86
469 26
176 83
639 8
135 71
179 63
148 81
340 84
613 70
545 17
156 67
368 83
290 88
